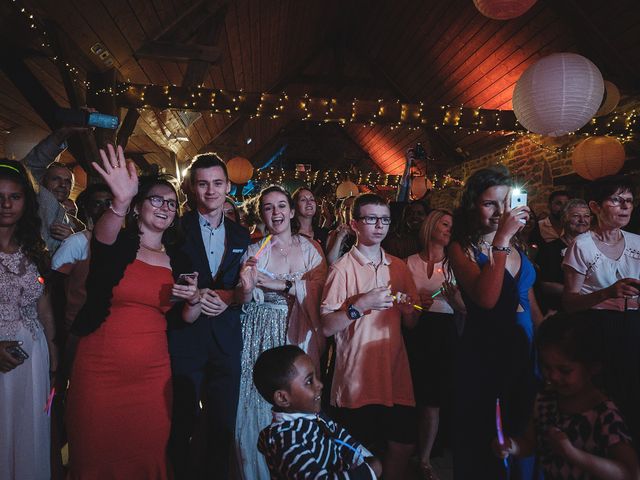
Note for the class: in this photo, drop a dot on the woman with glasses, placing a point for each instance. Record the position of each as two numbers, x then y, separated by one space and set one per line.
602 271
281 307
119 400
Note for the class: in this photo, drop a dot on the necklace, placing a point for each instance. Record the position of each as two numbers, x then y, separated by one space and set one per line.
285 252
157 250
606 243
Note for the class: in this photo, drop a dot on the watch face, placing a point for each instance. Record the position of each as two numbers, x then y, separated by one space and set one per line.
353 313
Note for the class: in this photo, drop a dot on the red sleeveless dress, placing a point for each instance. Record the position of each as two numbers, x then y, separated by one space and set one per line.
119 399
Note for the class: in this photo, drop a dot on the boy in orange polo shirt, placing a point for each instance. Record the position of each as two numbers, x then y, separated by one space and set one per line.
372 387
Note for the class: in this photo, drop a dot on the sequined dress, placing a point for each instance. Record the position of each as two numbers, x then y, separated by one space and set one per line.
24 426
264 326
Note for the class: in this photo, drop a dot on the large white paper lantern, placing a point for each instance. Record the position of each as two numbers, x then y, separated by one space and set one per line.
346 189
558 94
503 9
596 157
21 140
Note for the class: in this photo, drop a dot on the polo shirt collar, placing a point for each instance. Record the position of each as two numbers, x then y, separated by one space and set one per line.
362 260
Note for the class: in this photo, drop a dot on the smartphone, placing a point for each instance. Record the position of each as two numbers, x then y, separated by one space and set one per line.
182 278
518 199
18 352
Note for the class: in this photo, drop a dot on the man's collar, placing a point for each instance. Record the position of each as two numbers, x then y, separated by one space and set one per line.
363 260
205 223
280 417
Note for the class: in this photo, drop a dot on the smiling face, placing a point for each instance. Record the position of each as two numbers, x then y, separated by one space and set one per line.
12 203
58 180
567 377
276 212
371 234
306 204
441 233
490 206
577 220
615 211
210 187
305 389
157 219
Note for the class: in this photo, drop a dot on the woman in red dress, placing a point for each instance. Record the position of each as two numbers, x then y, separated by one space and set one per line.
119 399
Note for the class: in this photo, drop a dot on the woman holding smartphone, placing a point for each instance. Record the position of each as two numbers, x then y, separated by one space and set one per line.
495 353
27 352
119 400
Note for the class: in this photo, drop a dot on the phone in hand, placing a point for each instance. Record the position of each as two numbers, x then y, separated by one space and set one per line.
182 278
518 199
17 352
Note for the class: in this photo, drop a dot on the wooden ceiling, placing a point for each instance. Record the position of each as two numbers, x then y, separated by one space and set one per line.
439 52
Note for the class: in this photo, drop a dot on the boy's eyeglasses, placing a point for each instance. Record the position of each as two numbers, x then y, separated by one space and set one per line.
371 220
158 201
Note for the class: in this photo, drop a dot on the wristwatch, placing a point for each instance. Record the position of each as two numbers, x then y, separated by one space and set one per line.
353 313
287 286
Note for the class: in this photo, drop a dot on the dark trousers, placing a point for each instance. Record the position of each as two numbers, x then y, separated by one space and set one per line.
213 378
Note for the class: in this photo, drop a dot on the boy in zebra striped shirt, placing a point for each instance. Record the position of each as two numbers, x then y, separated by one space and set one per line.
301 442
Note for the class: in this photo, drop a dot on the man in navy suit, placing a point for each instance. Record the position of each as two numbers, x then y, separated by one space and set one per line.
206 354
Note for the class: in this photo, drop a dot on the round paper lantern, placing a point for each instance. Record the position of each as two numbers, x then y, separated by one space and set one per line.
346 189
418 187
558 94
21 140
503 9
610 99
240 170
597 157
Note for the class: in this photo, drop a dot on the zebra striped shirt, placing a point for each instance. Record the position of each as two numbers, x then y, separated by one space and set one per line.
310 446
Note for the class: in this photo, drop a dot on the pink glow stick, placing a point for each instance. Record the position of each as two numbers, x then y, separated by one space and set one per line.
264 244
499 431
47 406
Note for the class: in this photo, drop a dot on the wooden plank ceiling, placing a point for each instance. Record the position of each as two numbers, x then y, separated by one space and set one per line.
439 51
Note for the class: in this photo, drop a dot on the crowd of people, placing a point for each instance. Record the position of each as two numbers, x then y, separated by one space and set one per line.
291 339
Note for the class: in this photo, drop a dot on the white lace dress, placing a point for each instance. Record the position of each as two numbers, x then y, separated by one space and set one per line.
24 426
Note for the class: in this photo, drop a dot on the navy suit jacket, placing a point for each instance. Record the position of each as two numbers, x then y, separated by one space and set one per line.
224 329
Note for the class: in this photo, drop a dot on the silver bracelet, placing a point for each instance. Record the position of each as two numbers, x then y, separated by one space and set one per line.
118 214
496 248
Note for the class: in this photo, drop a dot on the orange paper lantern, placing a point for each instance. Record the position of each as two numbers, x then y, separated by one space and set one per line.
240 170
419 187
346 189
597 157
503 9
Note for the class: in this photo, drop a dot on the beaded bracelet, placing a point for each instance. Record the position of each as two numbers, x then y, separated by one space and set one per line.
118 214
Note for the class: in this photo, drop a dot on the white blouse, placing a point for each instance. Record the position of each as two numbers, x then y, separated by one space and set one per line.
429 286
601 271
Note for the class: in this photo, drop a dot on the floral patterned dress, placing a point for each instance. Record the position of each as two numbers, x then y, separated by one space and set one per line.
24 426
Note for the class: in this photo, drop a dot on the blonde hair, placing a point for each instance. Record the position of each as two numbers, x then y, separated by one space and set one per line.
426 230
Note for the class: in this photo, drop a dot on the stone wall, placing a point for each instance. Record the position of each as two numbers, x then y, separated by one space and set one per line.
533 164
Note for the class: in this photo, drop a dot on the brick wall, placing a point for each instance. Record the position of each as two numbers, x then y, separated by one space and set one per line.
533 163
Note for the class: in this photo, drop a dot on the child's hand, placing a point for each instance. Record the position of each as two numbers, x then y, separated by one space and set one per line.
377 299
560 443
375 465
504 450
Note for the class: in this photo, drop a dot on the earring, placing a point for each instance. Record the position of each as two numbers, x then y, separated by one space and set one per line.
135 215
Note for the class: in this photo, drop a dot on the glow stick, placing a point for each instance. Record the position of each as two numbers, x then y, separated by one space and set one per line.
47 406
417 307
264 244
499 431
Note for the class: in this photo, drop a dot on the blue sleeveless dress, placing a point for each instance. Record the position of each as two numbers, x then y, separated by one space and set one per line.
495 359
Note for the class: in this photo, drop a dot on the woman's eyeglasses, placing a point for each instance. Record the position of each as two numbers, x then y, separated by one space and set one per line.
617 201
157 201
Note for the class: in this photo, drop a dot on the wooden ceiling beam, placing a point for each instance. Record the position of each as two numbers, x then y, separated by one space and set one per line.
179 52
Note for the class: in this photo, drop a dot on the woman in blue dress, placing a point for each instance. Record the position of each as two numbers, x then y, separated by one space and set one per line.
495 357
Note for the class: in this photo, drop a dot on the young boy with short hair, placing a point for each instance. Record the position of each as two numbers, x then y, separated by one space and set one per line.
301 442
372 386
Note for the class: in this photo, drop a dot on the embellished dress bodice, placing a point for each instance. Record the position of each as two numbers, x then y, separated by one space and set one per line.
21 289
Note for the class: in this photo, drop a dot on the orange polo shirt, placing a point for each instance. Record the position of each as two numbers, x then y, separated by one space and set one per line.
371 367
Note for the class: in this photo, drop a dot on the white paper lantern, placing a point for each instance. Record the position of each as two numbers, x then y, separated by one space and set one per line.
21 140
346 189
503 9
596 157
558 94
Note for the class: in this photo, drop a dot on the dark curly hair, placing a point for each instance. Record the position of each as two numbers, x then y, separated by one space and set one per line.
27 233
145 183
466 227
